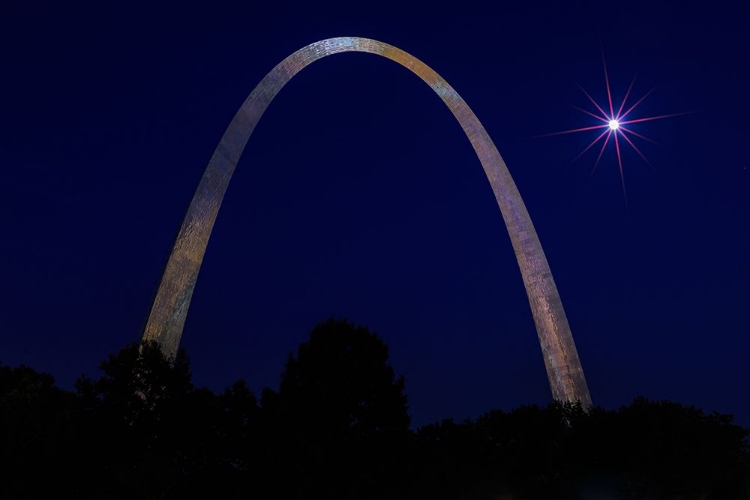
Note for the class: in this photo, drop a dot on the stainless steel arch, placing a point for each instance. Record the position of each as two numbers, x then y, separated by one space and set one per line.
170 306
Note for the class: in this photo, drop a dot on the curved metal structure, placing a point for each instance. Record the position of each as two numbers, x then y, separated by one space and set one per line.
170 306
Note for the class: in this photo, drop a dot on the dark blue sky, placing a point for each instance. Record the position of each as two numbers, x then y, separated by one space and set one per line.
359 196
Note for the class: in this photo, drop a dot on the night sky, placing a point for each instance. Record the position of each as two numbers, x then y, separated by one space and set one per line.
358 195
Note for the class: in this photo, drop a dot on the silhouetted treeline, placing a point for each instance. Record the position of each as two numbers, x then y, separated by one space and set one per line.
338 428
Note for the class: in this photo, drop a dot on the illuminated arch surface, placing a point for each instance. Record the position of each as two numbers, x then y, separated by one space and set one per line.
170 307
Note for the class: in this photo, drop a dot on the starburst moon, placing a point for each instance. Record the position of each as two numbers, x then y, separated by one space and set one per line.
616 125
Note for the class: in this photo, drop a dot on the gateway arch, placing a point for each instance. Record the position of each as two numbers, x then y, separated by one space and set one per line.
170 306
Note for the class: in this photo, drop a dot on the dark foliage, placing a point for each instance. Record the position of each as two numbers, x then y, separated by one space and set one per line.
146 428
339 420
39 430
649 449
338 427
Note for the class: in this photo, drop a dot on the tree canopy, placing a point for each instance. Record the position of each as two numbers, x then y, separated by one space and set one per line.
338 427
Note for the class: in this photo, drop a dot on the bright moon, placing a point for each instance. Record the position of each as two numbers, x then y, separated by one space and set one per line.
614 124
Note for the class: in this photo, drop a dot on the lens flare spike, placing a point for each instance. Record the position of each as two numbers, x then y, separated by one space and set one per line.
622 173
650 118
631 108
601 152
638 135
605 120
636 149
590 145
618 116
606 81
604 113
583 129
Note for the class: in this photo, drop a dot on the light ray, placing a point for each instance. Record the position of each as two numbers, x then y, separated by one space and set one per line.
606 81
619 116
601 151
590 145
594 127
604 113
592 114
626 113
648 119
622 173
636 149
638 135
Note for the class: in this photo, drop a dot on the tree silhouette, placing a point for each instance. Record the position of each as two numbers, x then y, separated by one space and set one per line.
37 429
148 429
343 382
338 427
340 412
669 450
